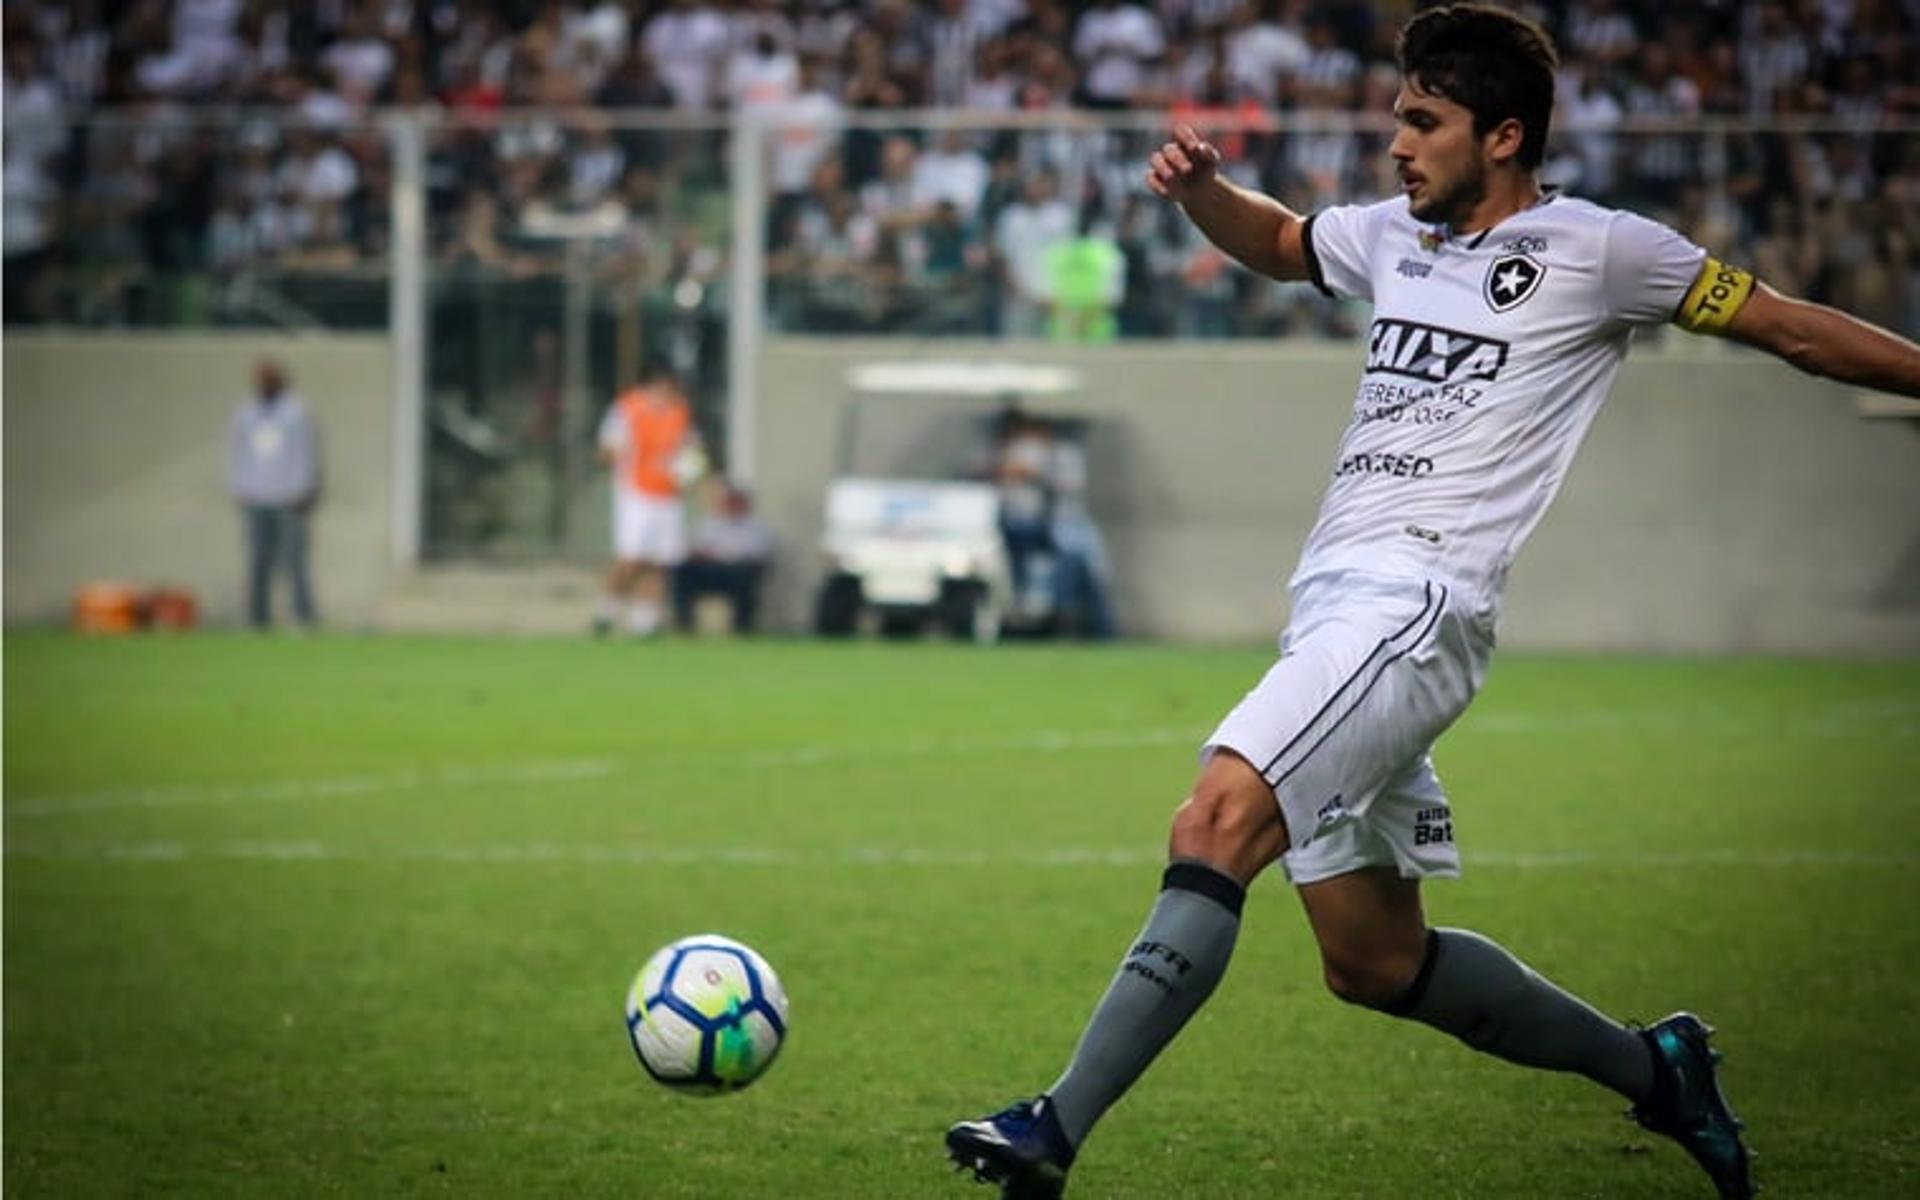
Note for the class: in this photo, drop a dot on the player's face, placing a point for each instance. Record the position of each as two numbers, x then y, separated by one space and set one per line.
1441 164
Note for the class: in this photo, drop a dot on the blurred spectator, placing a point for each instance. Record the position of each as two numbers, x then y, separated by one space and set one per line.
1598 32
838 248
117 210
1773 55
274 473
1118 42
1055 552
1661 162
35 138
727 556
824 28
1021 467
1027 233
1088 278
688 44
951 274
360 61
1588 106
952 171
596 165
1329 78
808 134
896 199
1262 50
35 110
993 86
953 34
764 75
477 242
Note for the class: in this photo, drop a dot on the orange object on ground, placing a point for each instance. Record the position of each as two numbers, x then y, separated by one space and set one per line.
108 608
172 608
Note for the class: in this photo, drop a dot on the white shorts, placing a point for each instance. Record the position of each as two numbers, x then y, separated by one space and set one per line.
648 529
1372 669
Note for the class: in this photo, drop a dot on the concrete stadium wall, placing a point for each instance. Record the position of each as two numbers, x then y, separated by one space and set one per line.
116 465
1723 502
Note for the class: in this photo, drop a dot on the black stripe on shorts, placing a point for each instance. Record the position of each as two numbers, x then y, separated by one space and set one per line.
1392 648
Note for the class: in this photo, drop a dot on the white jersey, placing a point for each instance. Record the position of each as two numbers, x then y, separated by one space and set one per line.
1489 355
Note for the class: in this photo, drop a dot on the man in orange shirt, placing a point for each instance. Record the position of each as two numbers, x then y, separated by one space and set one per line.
649 441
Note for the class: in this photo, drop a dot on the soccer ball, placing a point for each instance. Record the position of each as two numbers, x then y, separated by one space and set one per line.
706 1014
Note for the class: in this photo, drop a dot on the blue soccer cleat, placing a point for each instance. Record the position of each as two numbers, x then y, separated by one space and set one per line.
1022 1148
1688 1107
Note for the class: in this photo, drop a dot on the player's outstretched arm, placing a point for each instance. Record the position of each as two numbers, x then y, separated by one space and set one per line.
1826 341
1256 229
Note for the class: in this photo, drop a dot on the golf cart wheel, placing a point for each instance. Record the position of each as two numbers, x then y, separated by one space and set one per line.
966 611
837 612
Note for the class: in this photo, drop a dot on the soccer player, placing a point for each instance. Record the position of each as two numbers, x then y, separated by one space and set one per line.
1502 312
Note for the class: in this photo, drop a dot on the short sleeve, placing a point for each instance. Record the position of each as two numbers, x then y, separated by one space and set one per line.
1647 270
1339 243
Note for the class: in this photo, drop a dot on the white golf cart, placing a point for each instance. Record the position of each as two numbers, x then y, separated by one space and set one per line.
913 537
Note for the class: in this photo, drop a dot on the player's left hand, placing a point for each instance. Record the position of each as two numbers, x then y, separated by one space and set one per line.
1183 165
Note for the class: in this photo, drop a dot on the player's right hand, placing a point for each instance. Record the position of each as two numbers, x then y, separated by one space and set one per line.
1183 165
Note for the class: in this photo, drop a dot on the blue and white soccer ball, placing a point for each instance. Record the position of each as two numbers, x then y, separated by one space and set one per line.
706 1014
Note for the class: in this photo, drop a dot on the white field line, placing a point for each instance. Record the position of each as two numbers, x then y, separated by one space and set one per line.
868 856
294 791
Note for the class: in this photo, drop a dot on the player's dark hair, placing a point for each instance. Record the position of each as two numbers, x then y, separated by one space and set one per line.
1493 63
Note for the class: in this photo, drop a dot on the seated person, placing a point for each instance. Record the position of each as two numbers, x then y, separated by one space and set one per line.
1044 519
1081 575
1022 471
727 555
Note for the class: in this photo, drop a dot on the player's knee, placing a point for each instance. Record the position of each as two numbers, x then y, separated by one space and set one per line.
1230 827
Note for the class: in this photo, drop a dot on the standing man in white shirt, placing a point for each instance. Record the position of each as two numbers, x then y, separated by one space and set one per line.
273 473
1118 42
1027 231
1502 312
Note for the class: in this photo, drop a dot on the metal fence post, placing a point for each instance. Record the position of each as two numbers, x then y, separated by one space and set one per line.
746 316
406 321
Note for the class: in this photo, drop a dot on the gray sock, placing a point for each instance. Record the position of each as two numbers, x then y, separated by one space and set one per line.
1169 973
1479 993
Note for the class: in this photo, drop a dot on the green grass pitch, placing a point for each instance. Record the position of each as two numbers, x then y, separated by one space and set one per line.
355 917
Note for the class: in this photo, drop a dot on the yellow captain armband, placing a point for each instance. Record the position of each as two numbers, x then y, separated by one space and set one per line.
1717 293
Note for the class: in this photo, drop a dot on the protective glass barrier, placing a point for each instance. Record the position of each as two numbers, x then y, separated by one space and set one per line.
177 218
568 251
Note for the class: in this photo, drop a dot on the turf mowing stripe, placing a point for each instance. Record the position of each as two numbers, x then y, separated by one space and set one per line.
874 856
1856 722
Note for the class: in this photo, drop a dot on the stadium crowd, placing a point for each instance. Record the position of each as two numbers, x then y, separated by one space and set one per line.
161 150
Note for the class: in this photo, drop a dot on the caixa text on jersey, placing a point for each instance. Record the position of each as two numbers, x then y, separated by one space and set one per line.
1432 353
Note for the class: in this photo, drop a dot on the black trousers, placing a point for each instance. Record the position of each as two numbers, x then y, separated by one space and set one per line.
277 540
738 582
